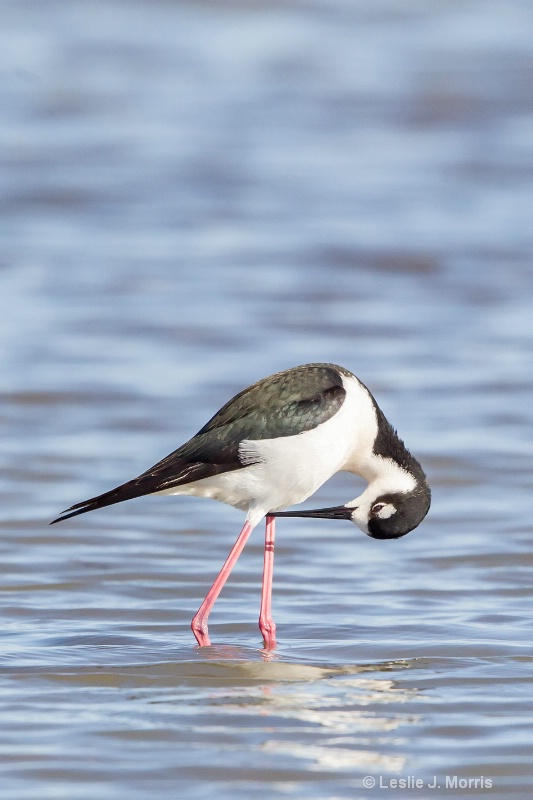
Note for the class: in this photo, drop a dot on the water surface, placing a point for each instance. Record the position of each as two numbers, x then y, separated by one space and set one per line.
195 195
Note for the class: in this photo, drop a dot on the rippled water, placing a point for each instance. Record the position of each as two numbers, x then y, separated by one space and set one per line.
193 196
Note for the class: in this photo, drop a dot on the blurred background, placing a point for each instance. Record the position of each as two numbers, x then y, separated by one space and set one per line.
194 195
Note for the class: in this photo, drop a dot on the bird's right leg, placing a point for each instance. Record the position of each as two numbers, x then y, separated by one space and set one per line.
199 621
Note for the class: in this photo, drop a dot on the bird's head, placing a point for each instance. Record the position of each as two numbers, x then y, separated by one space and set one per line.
387 516
392 515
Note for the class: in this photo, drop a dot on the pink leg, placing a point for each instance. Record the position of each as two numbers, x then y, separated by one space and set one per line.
267 626
199 621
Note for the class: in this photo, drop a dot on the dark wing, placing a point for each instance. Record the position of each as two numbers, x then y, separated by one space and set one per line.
284 404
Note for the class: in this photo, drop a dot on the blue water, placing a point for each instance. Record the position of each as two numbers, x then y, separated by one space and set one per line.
196 195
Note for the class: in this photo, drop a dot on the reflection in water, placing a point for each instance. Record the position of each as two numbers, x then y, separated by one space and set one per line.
331 714
329 757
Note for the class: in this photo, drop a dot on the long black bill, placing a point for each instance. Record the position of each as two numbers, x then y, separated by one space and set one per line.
336 512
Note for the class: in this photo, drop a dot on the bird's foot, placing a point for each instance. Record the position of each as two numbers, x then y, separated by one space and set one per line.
199 628
267 626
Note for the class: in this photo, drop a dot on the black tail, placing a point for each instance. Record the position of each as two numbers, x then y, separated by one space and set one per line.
201 457
136 488
169 473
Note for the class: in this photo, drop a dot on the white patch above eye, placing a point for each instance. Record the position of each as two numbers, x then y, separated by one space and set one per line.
387 511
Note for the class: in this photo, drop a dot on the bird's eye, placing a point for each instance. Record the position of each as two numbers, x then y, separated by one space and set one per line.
377 507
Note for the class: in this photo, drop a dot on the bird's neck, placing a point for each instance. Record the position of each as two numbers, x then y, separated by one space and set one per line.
390 461
387 476
389 468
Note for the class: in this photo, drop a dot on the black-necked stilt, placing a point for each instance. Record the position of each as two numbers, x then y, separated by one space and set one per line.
271 447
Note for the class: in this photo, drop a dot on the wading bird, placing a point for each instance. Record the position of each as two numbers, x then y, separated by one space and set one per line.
272 446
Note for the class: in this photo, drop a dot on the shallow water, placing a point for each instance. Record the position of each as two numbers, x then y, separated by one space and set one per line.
193 196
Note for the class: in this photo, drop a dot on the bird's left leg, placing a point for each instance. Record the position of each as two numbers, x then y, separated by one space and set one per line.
267 626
